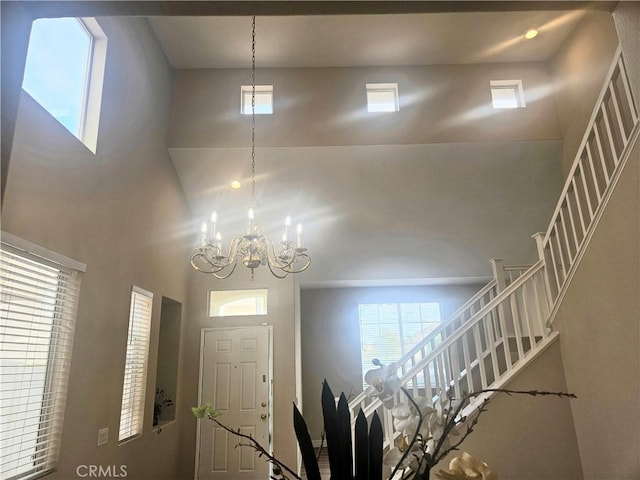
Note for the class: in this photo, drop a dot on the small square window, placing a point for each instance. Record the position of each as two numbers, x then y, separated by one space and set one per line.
507 94
382 97
264 99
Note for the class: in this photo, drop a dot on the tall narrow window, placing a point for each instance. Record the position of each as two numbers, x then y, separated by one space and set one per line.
389 330
38 301
64 72
135 368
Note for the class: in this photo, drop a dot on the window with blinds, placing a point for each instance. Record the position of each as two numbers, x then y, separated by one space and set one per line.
389 330
135 368
38 302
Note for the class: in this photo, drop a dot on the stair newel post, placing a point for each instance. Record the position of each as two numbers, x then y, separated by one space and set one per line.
505 318
497 265
539 238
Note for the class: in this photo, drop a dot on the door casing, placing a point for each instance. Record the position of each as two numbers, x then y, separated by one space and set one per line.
203 333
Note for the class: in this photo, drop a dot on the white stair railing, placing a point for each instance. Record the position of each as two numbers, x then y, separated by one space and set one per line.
611 133
486 351
428 344
456 320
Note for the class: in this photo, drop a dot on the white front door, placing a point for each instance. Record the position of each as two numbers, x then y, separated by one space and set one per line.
235 378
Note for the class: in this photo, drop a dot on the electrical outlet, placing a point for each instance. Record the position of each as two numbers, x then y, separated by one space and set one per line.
103 436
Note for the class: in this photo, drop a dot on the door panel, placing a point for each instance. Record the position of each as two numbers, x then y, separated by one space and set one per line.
235 378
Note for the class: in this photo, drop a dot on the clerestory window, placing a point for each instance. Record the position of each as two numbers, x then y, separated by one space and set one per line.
263 99
382 97
64 73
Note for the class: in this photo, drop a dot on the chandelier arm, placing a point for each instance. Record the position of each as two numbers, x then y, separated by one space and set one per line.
208 259
201 263
300 256
233 248
209 267
274 273
278 260
222 277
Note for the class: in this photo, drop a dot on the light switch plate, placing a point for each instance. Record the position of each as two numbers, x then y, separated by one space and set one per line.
103 436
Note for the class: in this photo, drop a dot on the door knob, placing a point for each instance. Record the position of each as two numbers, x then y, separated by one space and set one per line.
264 404
263 416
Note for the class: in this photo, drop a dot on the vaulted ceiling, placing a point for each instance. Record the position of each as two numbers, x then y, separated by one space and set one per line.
364 40
376 213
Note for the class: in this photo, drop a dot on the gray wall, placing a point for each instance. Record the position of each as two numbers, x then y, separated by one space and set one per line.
578 71
529 438
598 318
447 176
121 212
327 106
598 325
627 18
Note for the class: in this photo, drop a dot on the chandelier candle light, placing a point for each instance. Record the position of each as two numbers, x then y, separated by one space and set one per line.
253 248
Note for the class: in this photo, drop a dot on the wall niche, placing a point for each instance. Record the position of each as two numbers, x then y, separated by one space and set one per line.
167 368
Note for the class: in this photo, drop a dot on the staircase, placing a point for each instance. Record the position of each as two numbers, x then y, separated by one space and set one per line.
508 323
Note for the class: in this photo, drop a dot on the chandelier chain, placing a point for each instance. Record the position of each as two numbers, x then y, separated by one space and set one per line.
253 108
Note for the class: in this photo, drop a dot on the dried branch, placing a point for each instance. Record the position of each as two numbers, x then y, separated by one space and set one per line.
452 422
257 447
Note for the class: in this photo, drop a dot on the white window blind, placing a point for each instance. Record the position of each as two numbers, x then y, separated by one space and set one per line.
389 330
135 369
38 302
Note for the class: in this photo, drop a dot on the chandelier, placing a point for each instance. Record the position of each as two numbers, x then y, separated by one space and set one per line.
252 248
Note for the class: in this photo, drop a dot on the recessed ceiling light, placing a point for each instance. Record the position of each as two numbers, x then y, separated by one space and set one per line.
235 184
533 33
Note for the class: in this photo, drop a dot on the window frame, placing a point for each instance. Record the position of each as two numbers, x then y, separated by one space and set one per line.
403 346
216 307
373 88
513 85
90 105
27 273
134 387
245 98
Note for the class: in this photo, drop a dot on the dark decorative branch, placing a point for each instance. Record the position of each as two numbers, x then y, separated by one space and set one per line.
451 420
258 448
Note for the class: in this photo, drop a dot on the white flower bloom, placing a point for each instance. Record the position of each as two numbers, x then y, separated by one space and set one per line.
467 467
411 461
406 417
438 422
383 383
